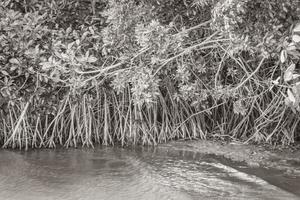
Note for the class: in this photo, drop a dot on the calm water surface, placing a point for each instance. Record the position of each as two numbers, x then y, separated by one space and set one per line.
137 174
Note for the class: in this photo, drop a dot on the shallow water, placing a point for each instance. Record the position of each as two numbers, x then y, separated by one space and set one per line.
140 173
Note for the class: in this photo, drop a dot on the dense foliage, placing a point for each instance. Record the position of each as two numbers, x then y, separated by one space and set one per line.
125 71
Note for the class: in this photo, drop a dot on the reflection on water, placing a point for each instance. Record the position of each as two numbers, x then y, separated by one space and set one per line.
116 173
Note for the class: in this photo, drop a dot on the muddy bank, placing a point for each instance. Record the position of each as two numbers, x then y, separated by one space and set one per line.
255 156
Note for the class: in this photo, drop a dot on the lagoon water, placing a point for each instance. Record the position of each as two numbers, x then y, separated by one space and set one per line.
114 173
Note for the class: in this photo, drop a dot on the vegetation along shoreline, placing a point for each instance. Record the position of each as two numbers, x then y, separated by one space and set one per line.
127 72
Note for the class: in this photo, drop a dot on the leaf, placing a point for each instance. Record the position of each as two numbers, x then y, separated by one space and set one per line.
87 54
283 56
81 59
296 91
297 28
65 56
288 74
4 73
295 54
291 96
276 82
291 47
84 35
295 76
91 59
30 52
13 68
70 45
69 29
91 30
296 38
14 61
46 65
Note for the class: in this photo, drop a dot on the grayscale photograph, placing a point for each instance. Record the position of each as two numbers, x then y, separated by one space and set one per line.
149 100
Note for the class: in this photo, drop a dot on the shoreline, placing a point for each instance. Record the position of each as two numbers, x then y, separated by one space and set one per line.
284 159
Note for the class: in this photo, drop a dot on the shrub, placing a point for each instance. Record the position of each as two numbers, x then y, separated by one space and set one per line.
154 71
254 25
